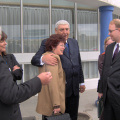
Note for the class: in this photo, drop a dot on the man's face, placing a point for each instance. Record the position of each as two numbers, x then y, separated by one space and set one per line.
63 30
114 33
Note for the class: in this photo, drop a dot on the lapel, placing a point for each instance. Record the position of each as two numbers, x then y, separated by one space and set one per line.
117 56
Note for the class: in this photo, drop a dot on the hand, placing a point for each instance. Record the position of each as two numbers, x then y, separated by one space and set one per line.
100 95
49 59
16 67
45 77
82 88
57 110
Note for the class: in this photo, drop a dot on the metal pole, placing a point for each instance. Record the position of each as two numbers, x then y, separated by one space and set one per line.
75 19
21 27
50 18
21 32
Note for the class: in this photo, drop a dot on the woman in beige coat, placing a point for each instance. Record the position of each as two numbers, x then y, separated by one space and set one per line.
52 97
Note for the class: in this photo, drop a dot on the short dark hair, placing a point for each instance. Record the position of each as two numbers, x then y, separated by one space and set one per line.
4 36
54 40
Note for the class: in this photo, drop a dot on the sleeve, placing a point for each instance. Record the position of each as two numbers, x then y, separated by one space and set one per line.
100 82
10 92
53 85
100 63
36 58
80 64
17 74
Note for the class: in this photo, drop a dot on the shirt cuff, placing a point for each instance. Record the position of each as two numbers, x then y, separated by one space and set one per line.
81 84
41 62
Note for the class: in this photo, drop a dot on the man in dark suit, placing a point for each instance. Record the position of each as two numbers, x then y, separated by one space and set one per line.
110 81
12 94
71 63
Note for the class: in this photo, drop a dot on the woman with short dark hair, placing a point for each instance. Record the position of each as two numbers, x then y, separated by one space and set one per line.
52 97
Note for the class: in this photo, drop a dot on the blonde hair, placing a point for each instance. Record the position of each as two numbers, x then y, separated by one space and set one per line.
105 41
116 22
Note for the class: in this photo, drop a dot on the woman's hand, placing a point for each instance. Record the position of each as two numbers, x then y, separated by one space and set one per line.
57 110
100 95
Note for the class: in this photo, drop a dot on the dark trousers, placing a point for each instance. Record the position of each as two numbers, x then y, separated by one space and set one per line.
111 108
72 104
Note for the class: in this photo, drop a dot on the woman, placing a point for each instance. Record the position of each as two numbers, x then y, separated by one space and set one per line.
10 60
107 41
52 97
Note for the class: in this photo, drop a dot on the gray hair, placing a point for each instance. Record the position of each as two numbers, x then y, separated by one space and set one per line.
61 22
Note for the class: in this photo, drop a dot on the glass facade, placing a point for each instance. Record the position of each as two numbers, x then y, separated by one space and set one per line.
36 27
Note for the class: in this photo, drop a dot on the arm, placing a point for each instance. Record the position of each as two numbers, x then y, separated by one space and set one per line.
36 58
82 84
11 93
54 87
17 71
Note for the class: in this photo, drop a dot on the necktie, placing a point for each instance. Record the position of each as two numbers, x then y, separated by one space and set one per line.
116 51
67 48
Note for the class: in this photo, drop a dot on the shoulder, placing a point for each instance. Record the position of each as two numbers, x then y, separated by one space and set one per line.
72 41
10 55
43 41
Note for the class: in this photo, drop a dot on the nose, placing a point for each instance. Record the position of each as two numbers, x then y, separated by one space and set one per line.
5 42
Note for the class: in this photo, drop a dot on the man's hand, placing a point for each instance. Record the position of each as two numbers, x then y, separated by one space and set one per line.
16 67
45 77
100 95
82 88
49 59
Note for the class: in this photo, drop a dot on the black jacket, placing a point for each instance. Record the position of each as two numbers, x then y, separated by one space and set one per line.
71 65
11 94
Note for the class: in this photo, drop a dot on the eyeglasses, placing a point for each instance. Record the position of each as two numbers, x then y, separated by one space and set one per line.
62 46
112 30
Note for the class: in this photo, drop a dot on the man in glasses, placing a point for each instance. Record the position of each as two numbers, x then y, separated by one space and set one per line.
110 80
71 63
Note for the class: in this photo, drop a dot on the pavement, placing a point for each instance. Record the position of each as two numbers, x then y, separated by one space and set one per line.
87 105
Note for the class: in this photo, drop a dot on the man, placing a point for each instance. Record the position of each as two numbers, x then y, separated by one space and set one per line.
110 80
71 63
12 94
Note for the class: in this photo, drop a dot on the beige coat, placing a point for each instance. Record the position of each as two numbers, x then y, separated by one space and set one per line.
52 94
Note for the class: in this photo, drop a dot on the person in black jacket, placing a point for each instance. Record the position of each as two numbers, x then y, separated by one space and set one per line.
71 63
12 94
11 61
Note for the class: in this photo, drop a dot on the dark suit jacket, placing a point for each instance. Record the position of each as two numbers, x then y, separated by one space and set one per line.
11 94
110 79
11 61
71 65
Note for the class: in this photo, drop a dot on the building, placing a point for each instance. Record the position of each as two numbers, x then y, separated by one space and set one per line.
27 22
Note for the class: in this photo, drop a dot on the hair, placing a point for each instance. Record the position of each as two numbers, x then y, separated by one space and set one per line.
53 41
4 37
116 22
106 40
61 22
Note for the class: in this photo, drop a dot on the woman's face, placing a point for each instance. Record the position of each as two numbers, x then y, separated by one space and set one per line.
2 46
59 49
